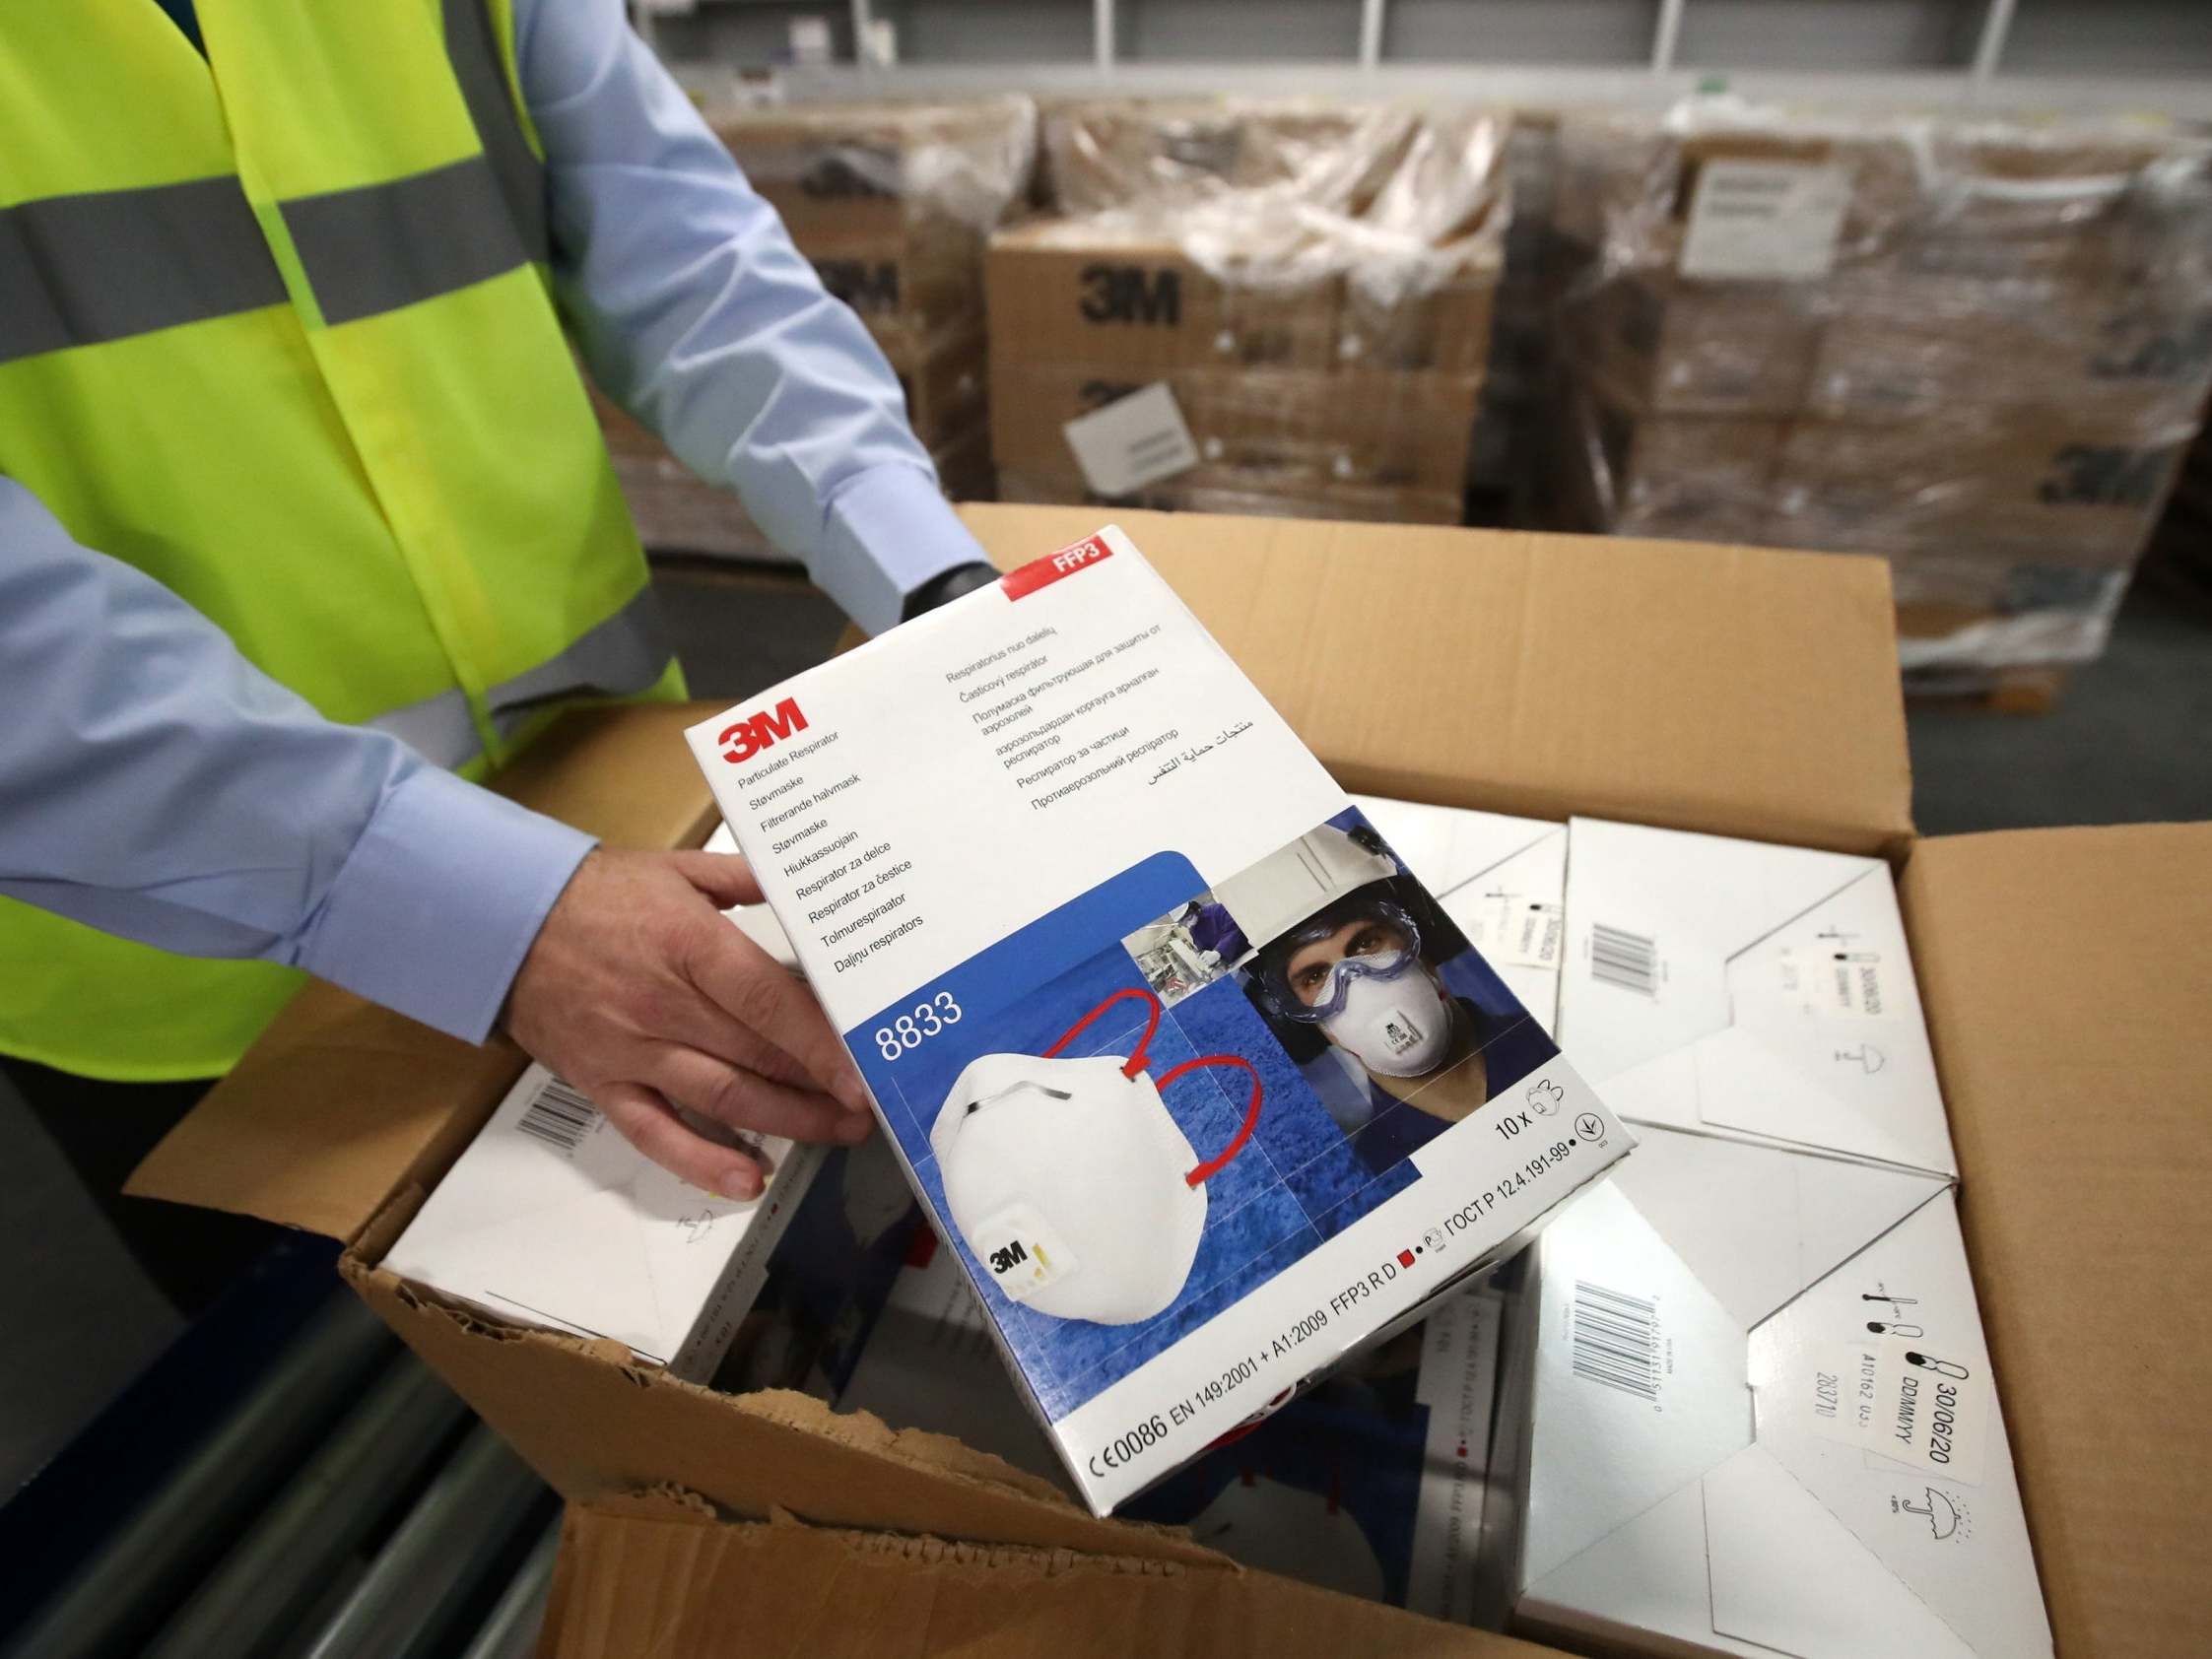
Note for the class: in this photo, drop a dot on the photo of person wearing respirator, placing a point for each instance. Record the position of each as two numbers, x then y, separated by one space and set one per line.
1399 1027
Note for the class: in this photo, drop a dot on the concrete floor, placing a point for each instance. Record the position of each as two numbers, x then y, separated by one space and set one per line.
2128 742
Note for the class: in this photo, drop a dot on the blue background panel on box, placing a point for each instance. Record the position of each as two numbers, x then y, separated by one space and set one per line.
1146 1146
1328 1489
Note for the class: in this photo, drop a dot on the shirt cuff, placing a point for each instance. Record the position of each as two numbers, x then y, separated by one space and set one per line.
440 899
889 530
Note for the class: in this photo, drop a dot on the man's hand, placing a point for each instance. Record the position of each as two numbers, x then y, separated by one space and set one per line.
641 994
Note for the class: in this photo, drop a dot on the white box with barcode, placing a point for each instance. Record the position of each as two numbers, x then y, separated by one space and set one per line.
1750 990
1198 1079
1761 1418
550 1218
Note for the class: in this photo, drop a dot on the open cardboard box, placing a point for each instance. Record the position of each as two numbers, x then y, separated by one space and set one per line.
2066 975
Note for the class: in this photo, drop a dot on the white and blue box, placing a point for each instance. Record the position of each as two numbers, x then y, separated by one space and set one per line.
1202 1084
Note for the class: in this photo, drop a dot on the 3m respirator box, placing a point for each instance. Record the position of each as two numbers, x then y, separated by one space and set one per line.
1203 1086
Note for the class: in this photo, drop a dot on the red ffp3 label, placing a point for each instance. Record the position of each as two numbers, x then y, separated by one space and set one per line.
1044 572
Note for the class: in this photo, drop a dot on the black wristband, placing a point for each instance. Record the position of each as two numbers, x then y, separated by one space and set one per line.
948 585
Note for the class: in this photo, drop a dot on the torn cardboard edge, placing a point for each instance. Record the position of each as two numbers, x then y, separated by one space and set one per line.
648 1573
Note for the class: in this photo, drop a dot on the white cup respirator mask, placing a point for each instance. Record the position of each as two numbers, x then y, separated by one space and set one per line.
1381 1006
1070 1180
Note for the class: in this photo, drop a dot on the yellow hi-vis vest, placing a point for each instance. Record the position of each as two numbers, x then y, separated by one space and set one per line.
274 330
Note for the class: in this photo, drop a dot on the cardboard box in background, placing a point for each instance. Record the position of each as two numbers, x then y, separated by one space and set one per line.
1664 345
911 289
2042 955
2012 485
1248 495
1914 344
1444 328
1281 432
1700 477
678 511
2011 312
875 169
1113 296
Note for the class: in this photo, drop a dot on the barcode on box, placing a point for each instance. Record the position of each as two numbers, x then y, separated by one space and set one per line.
1617 1340
1630 961
559 1115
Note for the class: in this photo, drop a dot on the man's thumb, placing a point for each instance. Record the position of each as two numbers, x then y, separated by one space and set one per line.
724 878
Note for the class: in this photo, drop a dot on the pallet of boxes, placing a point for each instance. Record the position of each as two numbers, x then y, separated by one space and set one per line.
1977 349
891 203
1279 307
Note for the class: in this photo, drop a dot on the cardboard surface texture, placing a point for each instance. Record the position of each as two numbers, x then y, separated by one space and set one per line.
2063 974
1700 688
682 1584
2066 974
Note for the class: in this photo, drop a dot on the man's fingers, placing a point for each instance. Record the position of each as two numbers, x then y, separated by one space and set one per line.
740 977
744 1100
646 1122
723 876
701 1023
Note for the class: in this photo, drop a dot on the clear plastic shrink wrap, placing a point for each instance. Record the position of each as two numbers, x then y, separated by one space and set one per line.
1313 281
1977 347
894 204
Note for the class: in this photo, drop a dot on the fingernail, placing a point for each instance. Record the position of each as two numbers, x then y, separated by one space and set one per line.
743 1184
854 1130
852 1093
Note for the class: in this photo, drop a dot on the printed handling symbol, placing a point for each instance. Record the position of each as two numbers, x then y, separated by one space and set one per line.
1946 1515
1865 1056
1589 1127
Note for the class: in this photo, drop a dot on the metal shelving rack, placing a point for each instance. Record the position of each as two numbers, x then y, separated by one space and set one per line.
2148 55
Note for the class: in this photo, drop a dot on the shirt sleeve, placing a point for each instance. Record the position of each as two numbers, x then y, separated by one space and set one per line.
696 314
168 791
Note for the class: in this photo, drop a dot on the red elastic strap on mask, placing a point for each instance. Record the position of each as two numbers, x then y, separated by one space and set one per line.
1137 1061
1220 1161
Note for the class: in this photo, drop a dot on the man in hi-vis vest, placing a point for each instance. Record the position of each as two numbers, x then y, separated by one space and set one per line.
305 523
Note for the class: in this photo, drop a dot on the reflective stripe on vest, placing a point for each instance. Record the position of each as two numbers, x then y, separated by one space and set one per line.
274 330
82 270
622 657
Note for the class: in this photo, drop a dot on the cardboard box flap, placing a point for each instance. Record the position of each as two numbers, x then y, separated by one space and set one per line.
340 1102
1704 687
629 1584
2067 975
746 1454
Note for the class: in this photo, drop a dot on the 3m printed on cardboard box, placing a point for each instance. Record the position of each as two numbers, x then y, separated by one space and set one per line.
1183 1190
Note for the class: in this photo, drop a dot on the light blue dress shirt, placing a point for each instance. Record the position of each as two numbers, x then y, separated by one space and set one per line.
152 783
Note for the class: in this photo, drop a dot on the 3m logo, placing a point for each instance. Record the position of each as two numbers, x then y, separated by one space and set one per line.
748 737
1131 293
1007 1258
865 285
2105 474
2141 348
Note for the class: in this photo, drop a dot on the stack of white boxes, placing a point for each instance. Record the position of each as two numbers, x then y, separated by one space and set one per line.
1743 1400
1748 1407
